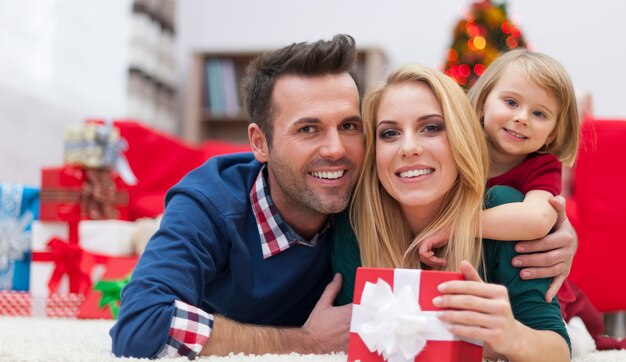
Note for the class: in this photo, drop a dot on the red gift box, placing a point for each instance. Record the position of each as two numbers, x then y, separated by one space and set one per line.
72 193
117 270
393 309
13 303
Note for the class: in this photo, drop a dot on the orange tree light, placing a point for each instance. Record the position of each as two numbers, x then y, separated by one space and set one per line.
478 38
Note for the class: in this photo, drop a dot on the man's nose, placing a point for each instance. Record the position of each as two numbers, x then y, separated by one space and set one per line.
333 147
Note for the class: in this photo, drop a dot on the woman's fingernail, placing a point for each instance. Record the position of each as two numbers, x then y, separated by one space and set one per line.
437 300
527 274
517 262
442 287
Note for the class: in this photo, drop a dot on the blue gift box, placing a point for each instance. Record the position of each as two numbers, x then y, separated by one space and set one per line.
19 205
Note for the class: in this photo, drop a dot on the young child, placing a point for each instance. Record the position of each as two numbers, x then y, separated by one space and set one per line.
527 106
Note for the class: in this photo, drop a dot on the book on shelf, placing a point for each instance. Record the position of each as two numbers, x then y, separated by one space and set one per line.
221 88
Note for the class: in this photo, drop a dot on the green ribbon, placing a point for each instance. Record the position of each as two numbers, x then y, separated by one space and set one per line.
111 293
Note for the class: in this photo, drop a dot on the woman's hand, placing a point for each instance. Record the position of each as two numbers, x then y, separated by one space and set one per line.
479 310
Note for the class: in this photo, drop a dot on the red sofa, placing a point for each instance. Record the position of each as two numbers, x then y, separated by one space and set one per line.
597 210
159 161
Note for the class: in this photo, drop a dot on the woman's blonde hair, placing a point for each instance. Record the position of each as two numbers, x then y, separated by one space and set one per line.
384 236
551 76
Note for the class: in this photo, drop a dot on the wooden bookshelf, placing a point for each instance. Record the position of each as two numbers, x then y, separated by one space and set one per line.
224 118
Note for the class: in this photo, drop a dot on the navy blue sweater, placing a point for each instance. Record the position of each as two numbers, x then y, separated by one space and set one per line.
207 253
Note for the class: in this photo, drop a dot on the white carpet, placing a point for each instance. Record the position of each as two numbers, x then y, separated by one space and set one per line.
67 340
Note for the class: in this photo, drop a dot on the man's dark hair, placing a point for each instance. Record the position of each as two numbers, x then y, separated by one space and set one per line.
307 59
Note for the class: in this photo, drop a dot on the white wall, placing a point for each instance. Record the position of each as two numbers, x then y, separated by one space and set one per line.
64 60
586 36
61 61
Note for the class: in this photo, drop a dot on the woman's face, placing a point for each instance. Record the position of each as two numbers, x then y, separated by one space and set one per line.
413 156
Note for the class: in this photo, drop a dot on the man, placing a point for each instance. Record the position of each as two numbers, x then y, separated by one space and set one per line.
241 262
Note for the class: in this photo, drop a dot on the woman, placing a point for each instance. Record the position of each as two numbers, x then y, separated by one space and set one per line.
424 169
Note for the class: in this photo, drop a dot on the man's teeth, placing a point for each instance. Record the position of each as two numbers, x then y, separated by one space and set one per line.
328 175
415 173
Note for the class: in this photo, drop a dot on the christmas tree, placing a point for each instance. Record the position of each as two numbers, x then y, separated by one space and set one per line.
484 33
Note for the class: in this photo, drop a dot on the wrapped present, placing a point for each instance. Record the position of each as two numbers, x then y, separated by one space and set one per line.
14 303
97 145
394 319
19 205
72 193
103 301
69 257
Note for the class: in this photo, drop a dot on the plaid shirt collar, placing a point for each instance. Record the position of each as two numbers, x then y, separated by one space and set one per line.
275 234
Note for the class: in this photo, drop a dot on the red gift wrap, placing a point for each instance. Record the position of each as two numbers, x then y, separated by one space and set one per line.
72 193
403 296
23 304
15 303
116 268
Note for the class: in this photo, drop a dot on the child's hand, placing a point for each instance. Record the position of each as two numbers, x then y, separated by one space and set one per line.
426 247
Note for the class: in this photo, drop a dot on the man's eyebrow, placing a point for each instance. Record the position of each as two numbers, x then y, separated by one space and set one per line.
307 120
310 120
355 118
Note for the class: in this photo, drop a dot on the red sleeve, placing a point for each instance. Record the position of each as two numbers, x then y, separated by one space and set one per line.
543 173
537 172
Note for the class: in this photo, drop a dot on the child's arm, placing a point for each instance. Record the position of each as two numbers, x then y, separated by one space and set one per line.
531 219
528 220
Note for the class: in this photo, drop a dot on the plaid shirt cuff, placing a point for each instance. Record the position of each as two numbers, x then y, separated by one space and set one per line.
189 331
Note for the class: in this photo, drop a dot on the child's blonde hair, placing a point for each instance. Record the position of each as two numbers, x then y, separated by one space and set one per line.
548 74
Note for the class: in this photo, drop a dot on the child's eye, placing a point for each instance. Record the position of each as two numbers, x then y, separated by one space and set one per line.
510 102
388 133
539 114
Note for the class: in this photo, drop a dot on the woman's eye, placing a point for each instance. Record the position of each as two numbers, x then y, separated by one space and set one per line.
432 128
388 133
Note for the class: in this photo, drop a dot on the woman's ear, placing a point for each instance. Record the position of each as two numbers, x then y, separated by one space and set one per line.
258 143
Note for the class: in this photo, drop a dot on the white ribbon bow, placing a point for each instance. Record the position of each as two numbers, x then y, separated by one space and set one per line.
14 240
395 325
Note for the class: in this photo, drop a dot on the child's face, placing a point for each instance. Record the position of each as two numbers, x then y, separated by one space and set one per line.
519 116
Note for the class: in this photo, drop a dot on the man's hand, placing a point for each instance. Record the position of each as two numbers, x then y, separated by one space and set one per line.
328 327
552 255
434 241
326 330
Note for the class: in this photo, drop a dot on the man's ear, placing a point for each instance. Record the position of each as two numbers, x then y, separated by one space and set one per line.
258 142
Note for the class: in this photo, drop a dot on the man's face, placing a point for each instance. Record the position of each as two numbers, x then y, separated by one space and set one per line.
317 147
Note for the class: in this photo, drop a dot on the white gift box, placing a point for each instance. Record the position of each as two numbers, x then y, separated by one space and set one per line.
96 237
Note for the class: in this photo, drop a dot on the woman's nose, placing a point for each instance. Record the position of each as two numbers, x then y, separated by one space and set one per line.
410 147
